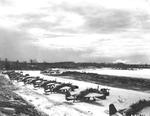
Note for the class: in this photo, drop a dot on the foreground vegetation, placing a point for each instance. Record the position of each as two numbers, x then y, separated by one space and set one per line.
137 107
114 81
13 105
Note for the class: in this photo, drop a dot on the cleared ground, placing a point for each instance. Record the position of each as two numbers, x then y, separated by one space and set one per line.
138 73
56 105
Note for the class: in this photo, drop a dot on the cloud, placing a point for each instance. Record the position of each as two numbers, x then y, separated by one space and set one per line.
57 21
57 55
108 21
82 30
99 19
15 44
120 61
137 58
5 2
76 17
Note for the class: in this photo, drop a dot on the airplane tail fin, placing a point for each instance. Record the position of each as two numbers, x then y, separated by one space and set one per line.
112 110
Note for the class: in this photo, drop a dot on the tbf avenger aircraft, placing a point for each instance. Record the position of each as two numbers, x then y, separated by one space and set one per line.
88 95
113 111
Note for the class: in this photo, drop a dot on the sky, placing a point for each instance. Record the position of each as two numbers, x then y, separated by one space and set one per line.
79 30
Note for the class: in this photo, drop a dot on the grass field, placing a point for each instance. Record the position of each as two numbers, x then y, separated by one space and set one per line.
139 84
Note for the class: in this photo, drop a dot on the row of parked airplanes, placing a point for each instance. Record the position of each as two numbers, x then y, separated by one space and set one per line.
53 86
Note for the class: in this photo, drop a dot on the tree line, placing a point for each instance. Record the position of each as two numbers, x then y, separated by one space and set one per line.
34 65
